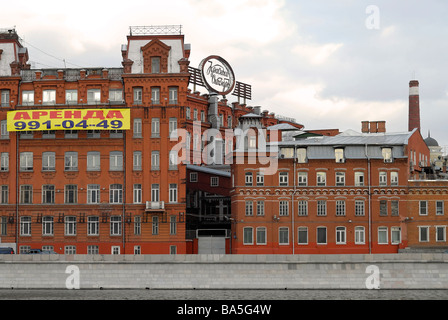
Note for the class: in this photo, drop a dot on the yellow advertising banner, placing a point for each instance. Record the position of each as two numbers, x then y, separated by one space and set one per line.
69 119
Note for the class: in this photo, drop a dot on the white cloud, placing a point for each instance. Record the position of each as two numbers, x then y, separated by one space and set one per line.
316 54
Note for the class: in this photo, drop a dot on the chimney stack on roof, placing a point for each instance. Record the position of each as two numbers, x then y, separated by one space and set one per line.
373 126
414 105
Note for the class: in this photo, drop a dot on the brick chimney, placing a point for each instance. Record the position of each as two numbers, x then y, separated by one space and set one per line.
414 105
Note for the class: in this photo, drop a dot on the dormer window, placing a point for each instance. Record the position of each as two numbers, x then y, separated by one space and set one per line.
387 154
339 155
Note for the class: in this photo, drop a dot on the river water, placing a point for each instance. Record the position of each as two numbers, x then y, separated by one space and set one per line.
140 294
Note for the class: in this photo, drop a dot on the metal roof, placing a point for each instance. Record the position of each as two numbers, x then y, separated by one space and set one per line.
208 170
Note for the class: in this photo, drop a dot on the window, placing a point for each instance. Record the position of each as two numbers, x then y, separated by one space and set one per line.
260 179
93 96
340 207
173 249
137 128
70 226
214 181
260 208
155 128
302 179
303 208
423 208
4 161
71 161
93 193
93 249
4 130
116 160
359 207
173 160
321 235
248 178
172 95
339 155
283 235
71 96
340 235
115 225
47 226
25 226
383 178
394 178
321 178
93 225
301 155
173 193
173 225
359 179
155 95
5 98
283 208
340 179
93 134
155 160
48 194
440 233
172 127
137 193
155 64
249 208
70 250
116 193
155 225
4 226
138 94
26 194
137 161
383 207
248 237
71 193
155 192
115 95
423 233
93 161
27 98
360 236
283 178
26 161
302 236
395 235
48 134
195 114
261 235
394 210
26 134
137 225
48 161
229 121
382 235
193 177
4 194
321 207
188 113
48 97
439 208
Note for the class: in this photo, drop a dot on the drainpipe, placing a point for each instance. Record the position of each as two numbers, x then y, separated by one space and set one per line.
292 200
369 201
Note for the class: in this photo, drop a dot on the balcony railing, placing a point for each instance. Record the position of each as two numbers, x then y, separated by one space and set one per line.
155 205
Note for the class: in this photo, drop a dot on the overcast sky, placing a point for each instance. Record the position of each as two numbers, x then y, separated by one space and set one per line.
326 63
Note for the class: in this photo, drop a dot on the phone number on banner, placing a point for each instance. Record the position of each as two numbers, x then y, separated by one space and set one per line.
67 124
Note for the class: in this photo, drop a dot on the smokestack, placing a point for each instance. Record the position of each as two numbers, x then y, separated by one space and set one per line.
414 105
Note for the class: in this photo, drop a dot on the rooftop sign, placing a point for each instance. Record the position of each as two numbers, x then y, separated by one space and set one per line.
217 75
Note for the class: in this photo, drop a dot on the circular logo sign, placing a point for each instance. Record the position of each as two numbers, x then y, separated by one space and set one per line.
217 75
